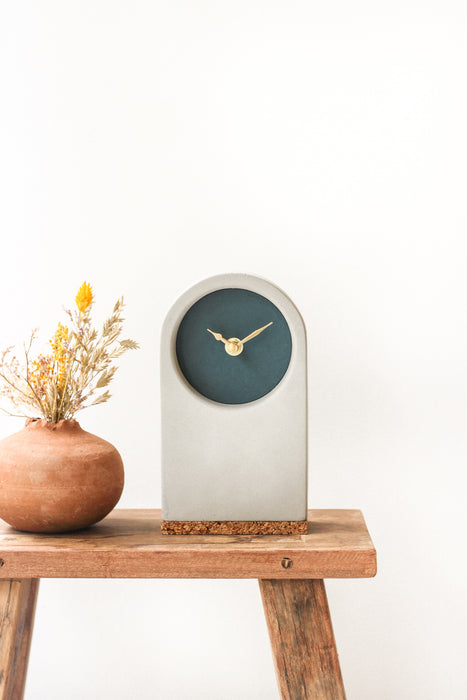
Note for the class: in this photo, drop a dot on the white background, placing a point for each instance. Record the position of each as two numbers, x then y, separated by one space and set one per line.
147 145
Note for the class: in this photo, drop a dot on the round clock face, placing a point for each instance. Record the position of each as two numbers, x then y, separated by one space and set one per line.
233 346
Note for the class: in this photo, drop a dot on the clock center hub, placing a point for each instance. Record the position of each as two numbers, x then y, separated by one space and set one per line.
234 347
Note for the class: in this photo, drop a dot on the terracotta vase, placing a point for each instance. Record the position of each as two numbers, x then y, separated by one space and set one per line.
56 477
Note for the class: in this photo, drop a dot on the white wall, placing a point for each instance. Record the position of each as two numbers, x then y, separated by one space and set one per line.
146 145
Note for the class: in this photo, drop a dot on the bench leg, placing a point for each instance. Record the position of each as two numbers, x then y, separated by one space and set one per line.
302 640
17 607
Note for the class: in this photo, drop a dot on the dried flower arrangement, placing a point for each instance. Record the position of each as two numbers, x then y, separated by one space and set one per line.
58 384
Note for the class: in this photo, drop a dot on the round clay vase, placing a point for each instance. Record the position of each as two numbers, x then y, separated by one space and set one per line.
56 477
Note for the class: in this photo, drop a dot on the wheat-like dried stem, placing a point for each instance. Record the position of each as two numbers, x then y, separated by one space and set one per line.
81 364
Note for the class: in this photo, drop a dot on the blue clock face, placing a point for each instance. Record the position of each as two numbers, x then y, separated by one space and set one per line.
233 346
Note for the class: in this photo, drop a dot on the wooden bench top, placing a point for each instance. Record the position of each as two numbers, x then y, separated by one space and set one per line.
129 544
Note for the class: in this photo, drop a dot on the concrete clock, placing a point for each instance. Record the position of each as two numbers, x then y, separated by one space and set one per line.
234 410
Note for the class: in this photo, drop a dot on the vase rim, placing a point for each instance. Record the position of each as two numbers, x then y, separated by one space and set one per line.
63 425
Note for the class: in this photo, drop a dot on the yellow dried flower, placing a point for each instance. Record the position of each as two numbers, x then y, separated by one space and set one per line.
57 342
61 353
84 297
42 374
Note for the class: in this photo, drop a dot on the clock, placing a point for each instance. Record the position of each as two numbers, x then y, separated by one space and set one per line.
205 356
234 410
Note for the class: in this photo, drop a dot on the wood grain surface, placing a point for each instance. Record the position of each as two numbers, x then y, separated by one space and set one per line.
129 544
17 607
302 640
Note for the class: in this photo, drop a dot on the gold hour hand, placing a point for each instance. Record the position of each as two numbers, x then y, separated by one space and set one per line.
257 332
217 336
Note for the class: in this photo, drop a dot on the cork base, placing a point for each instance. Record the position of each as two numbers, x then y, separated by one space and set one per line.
234 527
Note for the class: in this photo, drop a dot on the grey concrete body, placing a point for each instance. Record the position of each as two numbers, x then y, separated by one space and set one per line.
234 462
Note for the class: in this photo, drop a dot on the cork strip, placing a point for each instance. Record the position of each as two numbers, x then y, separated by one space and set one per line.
234 527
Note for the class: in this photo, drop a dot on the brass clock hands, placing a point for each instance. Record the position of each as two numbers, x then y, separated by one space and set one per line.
234 346
217 336
257 332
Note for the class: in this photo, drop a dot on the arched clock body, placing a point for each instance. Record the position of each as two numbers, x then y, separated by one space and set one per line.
234 410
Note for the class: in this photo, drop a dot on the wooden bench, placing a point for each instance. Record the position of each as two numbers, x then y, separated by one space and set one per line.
129 544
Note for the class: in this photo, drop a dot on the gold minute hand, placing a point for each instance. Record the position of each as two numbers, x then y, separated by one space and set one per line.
217 336
257 332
